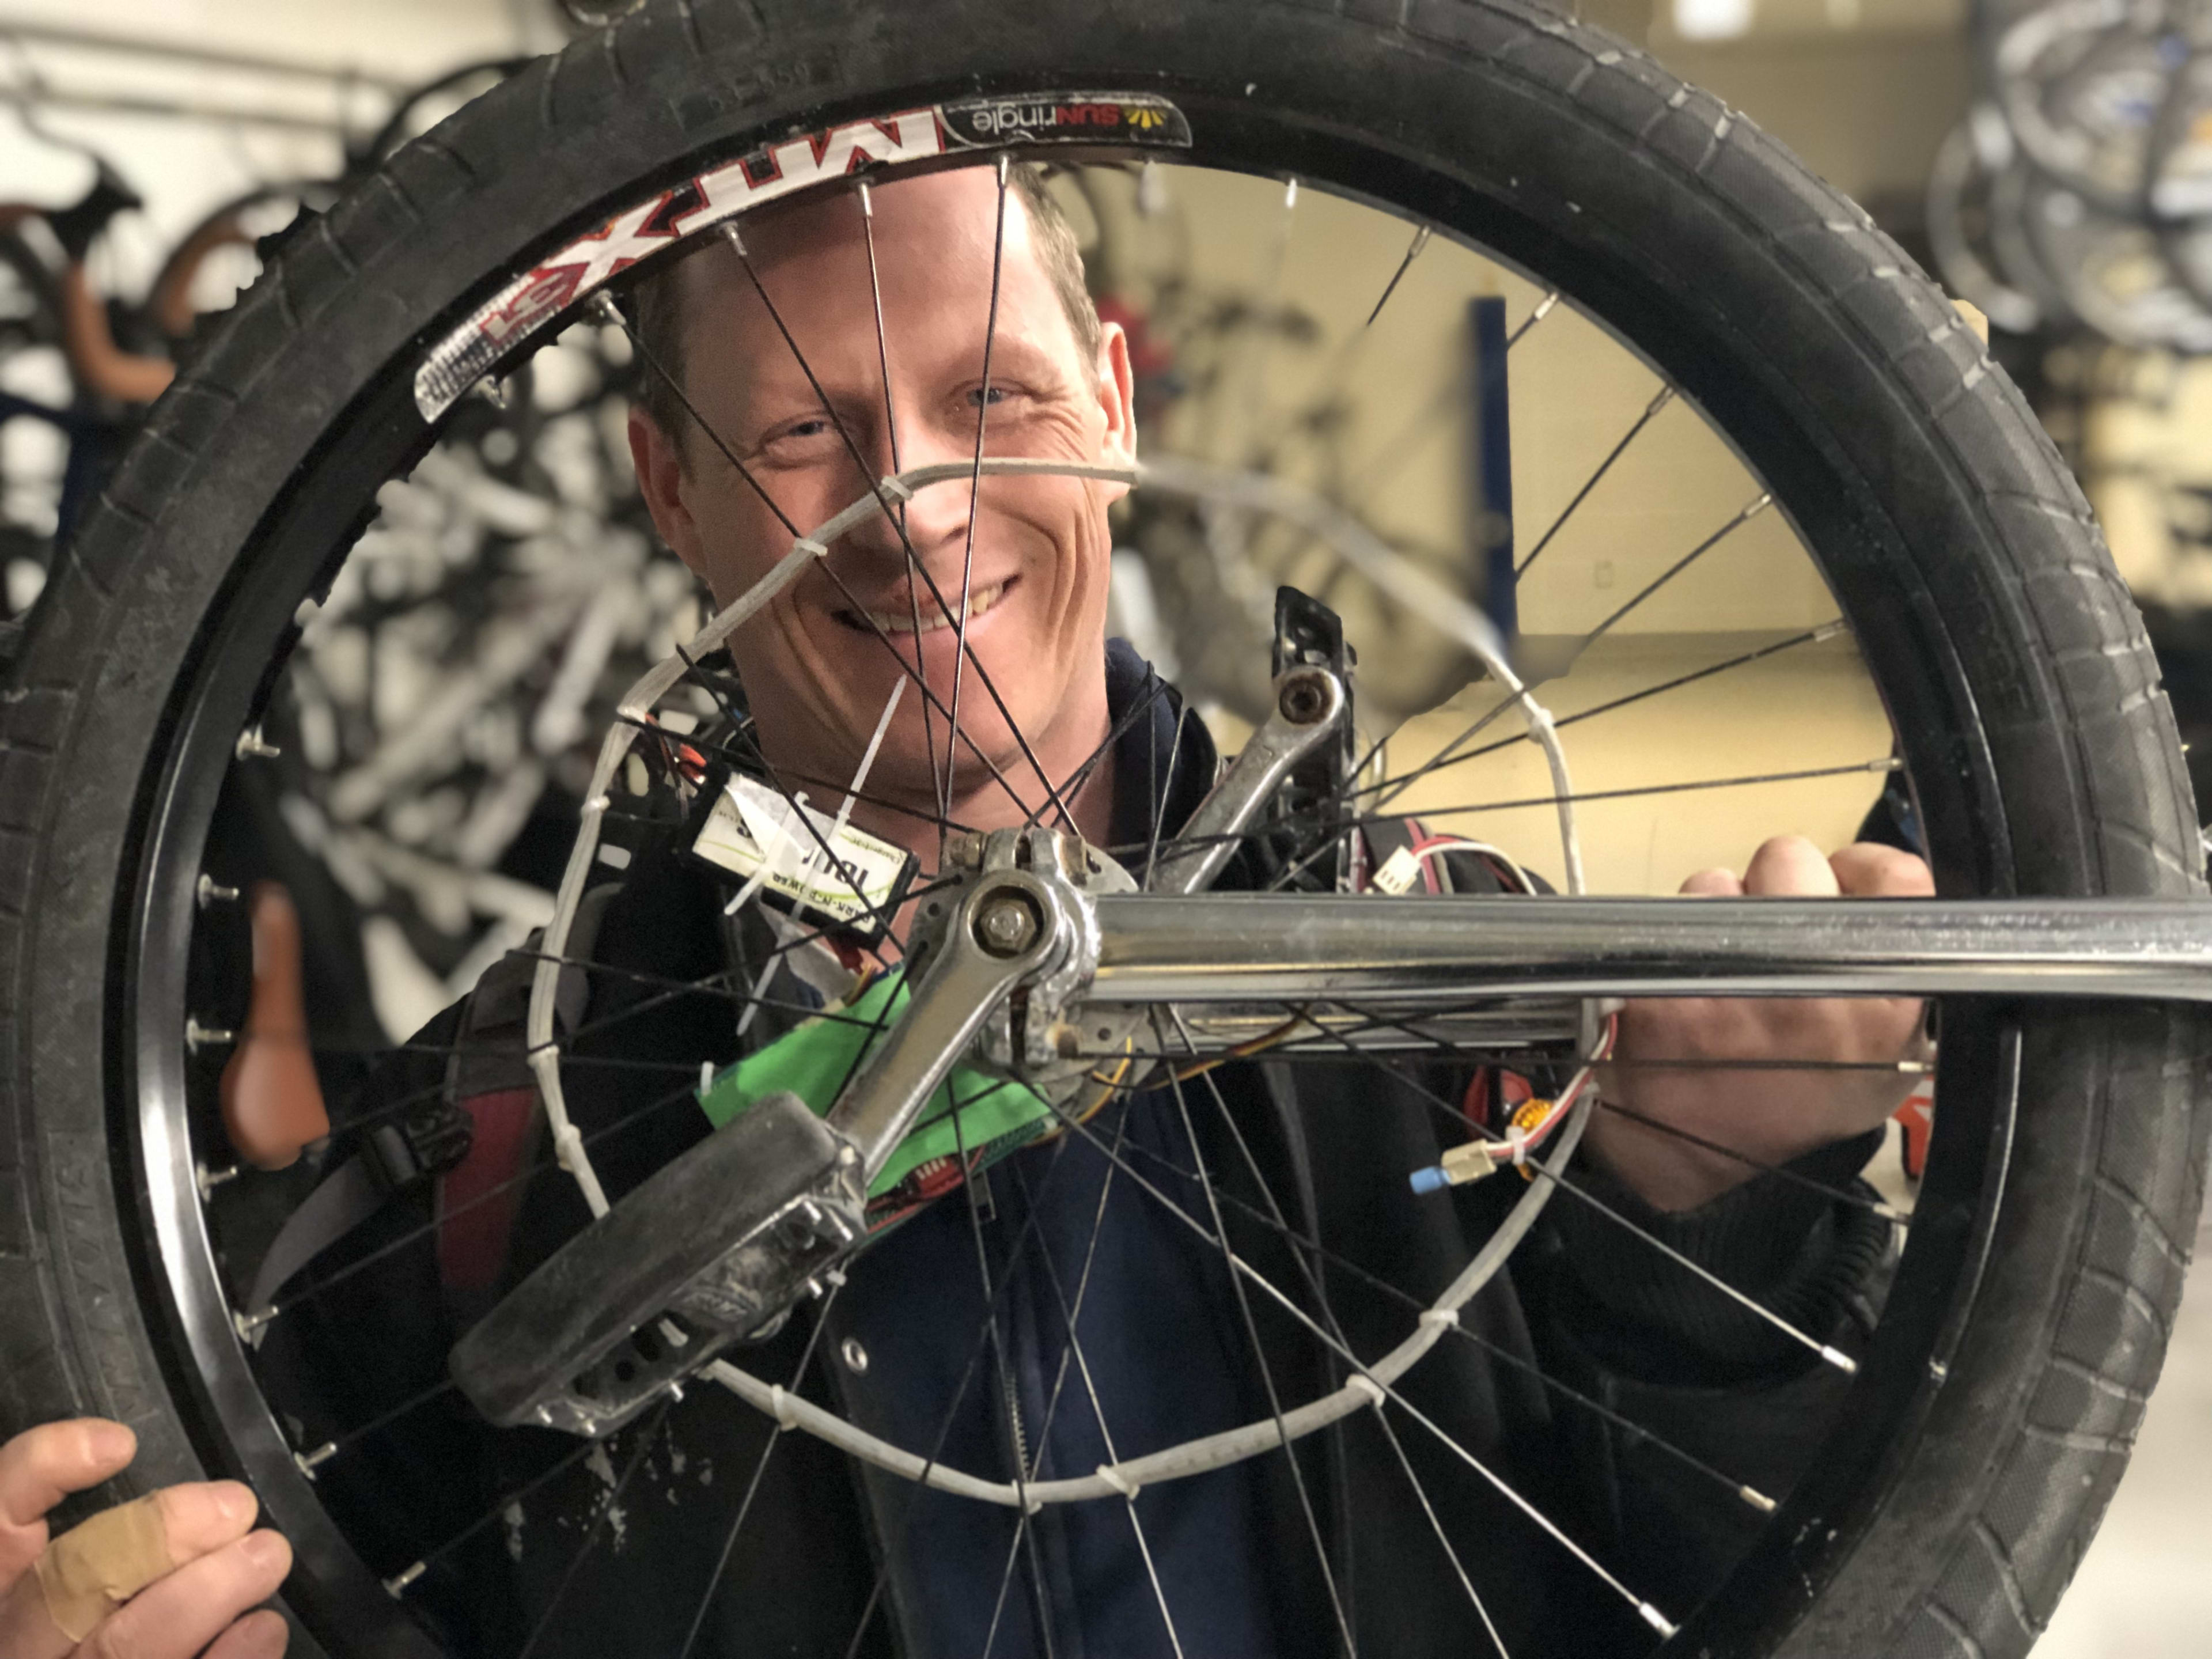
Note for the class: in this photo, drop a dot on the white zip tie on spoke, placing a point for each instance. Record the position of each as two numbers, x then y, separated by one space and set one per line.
567 1146
1440 1316
798 805
769 853
1360 1383
780 1406
1119 1482
868 760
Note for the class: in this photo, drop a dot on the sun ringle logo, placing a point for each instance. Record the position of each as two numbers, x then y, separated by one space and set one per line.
1068 118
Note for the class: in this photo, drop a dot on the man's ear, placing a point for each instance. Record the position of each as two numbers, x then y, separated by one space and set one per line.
659 458
1118 400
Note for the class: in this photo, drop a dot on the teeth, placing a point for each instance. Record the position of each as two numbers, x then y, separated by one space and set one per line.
933 618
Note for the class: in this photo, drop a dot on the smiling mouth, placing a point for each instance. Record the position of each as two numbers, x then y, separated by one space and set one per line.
980 601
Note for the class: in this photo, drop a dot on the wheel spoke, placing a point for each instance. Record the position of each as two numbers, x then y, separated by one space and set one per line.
1886 764
959 619
1665 396
1070 1315
1006 1390
1454 1118
1835 1194
1244 1271
1155 688
984 1337
775 1434
1220 1235
1742 519
589 1544
890 432
1413 252
1828 1354
1503 1355
397 1585
1391 788
1165 789
1392 457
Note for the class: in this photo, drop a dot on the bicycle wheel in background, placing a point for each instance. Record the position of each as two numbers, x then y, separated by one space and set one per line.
1844 537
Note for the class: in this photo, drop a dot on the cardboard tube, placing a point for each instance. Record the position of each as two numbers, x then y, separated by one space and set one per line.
92 1570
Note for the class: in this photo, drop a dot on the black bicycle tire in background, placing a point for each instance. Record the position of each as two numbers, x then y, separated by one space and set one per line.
1994 1417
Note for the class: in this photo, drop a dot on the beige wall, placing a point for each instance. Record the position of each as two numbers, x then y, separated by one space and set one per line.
1863 90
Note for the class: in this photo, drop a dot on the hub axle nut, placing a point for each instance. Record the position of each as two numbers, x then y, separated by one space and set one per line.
1303 699
1007 924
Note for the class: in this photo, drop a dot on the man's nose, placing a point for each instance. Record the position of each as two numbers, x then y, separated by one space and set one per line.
936 516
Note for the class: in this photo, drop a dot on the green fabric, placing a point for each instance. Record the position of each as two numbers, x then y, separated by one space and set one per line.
813 1061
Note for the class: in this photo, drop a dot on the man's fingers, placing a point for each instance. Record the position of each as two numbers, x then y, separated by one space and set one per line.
38 1467
205 1516
176 1617
41 1466
112 1559
1792 865
1870 870
258 1636
1713 883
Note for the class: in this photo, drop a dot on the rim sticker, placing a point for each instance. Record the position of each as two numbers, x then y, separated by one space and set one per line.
556 286
1066 117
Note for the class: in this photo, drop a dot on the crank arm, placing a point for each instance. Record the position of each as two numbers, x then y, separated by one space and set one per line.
1006 927
1437 950
1309 703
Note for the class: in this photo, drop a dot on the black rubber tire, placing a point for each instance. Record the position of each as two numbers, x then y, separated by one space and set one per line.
1592 152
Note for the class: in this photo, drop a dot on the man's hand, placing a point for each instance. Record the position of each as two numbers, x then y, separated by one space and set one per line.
221 1568
1769 1115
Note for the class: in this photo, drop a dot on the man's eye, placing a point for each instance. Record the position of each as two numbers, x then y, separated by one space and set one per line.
989 394
813 429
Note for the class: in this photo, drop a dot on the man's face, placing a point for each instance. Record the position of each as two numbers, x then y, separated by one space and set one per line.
815 669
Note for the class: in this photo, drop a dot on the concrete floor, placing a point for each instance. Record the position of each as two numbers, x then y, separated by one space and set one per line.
2145 1590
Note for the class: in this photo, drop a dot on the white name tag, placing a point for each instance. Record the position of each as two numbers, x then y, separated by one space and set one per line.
751 828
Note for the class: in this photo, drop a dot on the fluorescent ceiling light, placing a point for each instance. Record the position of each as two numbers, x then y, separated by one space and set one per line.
1712 19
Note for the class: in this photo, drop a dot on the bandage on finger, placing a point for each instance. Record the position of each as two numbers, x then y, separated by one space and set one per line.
92 1569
